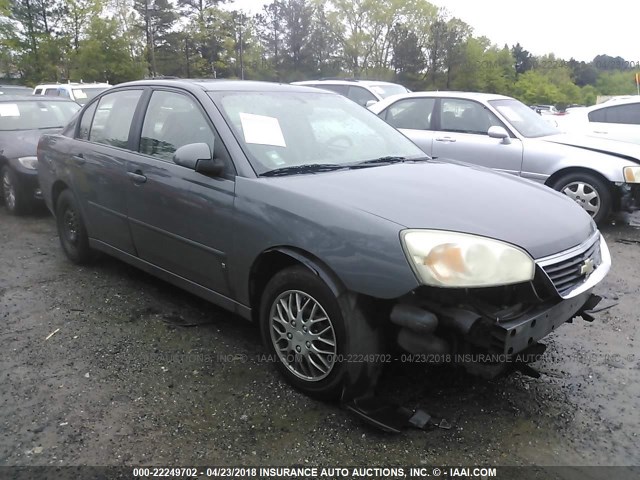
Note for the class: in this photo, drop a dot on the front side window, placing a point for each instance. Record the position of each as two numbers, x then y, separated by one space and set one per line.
172 121
112 120
341 89
293 129
410 113
466 116
51 92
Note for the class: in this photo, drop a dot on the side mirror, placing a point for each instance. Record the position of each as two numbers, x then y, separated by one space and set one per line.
370 102
197 157
499 132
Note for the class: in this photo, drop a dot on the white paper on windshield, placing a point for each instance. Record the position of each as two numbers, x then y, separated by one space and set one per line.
79 94
9 110
378 90
511 114
262 130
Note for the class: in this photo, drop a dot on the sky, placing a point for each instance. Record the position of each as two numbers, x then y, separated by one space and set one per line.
566 28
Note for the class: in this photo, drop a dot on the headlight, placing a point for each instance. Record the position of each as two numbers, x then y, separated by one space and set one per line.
29 162
458 260
631 174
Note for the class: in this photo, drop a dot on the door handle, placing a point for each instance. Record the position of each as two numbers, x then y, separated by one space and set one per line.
79 158
446 139
137 177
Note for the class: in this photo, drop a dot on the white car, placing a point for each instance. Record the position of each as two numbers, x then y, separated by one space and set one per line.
78 92
363 92
504 134
615 119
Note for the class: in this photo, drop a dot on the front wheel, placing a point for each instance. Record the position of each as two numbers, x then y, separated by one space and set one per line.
588 191
13 194
321 344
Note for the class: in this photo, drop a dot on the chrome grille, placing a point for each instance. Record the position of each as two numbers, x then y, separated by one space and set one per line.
567 271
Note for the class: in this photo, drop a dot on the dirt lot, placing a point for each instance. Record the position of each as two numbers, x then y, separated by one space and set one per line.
138 372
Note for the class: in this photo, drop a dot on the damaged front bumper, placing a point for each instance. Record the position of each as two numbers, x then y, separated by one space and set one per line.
504 322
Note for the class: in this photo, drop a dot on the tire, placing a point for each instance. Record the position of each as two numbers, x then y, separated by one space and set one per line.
13 195
582 187
341 372
72 230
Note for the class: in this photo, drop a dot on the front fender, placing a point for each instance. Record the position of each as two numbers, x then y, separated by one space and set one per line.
544 158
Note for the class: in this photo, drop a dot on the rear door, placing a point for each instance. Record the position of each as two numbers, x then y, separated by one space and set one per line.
415 118
463 125
181 220
98 162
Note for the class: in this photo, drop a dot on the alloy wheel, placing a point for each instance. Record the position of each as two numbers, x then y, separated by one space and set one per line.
303 335
584 195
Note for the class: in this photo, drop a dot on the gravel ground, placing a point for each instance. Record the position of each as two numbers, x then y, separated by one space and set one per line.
105 365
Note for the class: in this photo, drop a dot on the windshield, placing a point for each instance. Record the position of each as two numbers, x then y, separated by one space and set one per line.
34 115
388 90
523 119
83 95
293 129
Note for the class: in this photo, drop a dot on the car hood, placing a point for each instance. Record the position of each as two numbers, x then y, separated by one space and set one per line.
445 196
627 150
22 143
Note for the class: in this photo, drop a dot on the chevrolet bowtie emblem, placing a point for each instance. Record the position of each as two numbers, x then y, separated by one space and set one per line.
587 267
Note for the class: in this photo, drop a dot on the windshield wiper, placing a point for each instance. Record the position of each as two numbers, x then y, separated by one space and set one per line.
298 169
389 160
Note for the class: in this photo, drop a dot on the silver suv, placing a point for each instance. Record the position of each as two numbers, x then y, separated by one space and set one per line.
363 92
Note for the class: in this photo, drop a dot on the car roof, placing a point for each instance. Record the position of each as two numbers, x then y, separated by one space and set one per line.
33 98
343 81
213 85
85 85
617 101
456 94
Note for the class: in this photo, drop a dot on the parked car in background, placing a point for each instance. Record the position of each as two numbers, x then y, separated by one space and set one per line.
22 120
80 93
302 211
502 133
545 109
15 90
363 92
615 119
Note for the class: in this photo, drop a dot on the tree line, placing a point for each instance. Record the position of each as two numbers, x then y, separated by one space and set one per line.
406 41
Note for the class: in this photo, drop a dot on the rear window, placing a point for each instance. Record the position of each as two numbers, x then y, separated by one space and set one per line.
35 115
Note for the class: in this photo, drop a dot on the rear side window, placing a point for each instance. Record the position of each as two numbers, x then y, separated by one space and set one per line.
413 113
629 114
112 119
341 89
361 95
85 122
38 91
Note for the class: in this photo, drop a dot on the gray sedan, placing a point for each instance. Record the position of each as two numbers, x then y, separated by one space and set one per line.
300 210
504 134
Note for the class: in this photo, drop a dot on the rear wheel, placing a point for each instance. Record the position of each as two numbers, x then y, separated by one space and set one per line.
588 191
13 194
321 344
72 230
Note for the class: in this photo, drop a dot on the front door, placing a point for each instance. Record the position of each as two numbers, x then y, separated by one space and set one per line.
462 135
181 220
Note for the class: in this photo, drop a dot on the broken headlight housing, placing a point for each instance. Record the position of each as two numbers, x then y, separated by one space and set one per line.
458 260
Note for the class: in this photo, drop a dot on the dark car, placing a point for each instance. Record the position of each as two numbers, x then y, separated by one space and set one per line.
22 121
15 90
298 209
